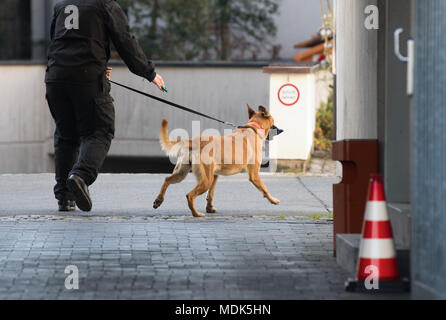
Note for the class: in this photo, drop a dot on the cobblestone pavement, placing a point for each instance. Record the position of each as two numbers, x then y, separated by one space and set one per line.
171 256
162 259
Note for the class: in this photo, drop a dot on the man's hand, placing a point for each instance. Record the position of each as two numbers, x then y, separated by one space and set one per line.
159 82
108 72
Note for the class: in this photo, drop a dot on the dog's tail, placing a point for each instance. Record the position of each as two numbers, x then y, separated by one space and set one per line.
168 146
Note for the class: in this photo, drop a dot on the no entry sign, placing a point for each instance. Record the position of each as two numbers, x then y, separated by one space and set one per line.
288 94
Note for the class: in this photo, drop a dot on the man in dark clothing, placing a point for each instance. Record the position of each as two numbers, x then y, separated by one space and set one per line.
78 91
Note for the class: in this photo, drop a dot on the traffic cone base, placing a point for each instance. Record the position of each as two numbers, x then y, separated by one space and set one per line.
399 286
377 268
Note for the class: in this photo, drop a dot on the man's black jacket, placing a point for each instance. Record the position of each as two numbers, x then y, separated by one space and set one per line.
81 55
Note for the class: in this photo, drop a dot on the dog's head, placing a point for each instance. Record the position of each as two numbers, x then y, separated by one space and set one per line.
262 117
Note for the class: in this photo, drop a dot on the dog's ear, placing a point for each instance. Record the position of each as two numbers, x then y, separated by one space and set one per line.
264 111
251 112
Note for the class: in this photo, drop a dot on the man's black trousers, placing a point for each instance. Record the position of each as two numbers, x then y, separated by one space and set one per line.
85 125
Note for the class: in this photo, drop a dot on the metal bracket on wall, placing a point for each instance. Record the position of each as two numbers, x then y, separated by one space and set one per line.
409 59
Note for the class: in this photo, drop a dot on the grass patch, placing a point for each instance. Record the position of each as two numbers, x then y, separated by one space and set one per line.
315 216
320 216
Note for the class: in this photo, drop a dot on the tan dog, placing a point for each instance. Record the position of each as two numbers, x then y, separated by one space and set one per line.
212 156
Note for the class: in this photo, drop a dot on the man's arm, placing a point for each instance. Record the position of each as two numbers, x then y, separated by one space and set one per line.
125 43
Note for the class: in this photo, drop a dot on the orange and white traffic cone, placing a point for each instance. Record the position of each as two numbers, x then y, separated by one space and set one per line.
377 267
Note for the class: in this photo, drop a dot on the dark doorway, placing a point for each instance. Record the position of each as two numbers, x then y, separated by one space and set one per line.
137 165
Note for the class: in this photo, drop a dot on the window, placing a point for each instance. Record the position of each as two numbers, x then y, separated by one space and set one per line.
15 29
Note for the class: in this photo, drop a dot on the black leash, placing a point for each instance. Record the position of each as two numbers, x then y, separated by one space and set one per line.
175 105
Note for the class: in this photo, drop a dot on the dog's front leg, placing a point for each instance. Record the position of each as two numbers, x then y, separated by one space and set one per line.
255 179
201 188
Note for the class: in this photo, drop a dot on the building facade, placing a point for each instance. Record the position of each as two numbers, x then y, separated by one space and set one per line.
373 103
26 127
32 20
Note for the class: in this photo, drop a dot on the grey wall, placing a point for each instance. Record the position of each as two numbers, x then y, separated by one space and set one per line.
356 71
429 151
395 146
222 90
24 120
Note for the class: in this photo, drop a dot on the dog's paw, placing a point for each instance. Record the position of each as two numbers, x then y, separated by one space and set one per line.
274 201
157 203
211 210
198 214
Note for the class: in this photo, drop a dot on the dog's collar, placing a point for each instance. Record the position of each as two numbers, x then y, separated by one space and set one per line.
257 127
255 124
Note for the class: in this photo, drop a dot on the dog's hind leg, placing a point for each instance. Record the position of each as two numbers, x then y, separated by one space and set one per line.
179 174
204 181
210 198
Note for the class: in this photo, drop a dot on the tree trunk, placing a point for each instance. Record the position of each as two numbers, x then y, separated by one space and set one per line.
154 19
225 34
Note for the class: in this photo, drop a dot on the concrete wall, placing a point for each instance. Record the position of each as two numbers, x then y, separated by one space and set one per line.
24 120
356 70
221 90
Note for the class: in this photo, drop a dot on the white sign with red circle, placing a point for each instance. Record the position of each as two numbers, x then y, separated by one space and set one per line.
288 94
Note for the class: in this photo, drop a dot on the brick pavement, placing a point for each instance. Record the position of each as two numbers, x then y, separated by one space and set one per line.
126 250
169 259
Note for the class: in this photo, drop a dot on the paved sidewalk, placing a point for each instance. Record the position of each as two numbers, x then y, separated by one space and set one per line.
129 252
133 195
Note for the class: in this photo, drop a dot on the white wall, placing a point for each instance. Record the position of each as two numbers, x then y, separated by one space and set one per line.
298 120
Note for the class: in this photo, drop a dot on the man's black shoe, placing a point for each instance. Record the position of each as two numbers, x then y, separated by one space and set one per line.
79 189
67 205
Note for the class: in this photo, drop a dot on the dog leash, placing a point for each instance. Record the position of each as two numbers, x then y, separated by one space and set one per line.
174 104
